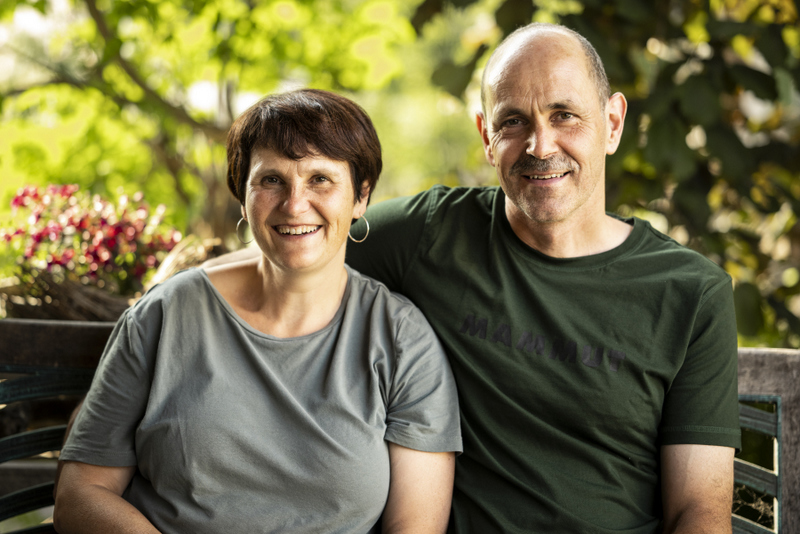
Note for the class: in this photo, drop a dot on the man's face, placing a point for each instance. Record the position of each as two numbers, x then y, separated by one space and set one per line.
546 132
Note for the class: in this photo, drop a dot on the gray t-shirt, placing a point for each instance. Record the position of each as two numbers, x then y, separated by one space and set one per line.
233 430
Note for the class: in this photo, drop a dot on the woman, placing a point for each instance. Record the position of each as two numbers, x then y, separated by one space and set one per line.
282 394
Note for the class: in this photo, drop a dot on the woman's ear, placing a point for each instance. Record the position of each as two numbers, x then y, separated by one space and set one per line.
361 204
244 213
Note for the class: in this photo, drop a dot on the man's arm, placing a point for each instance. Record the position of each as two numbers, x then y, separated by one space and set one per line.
245 254
697 488
420 491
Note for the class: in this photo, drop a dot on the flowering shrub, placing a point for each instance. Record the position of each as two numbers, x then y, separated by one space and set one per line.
65 231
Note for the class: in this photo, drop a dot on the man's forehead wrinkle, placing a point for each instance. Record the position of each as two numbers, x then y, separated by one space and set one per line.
508 97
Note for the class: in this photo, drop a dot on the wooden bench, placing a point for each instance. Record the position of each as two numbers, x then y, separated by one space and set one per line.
769 394
52 359
41 362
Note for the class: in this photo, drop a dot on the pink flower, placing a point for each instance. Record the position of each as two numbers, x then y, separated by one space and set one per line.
85 234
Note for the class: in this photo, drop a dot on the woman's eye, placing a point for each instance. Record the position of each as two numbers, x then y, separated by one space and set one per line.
321 179
269 180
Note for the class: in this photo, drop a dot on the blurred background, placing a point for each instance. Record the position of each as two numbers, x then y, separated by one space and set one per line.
113 117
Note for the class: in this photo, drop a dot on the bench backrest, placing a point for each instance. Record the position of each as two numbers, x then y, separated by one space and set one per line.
54 358
39 360
769 394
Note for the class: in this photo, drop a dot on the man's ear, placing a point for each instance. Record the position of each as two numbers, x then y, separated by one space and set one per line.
616 108
480 122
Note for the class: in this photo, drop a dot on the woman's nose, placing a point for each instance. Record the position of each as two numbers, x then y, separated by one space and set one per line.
295 199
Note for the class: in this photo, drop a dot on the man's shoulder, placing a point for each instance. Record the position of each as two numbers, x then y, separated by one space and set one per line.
439 198
676 259
462 196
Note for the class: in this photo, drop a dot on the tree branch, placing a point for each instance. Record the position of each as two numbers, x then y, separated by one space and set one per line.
178 113
173 162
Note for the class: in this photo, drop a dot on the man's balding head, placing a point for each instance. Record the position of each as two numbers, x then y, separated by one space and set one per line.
523 35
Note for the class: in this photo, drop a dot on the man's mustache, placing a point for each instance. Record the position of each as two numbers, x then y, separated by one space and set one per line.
530 164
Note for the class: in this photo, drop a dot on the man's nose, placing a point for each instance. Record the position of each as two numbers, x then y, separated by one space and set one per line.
542 142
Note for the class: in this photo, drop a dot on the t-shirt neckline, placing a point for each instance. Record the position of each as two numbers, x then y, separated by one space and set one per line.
225 305
581 263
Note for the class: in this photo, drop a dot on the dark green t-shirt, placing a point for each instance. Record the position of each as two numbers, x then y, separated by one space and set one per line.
571 372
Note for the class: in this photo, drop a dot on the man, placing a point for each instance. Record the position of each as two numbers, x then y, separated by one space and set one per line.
595 357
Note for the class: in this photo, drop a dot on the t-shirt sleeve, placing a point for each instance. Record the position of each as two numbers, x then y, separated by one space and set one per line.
103 433
422 403
702 405
396 228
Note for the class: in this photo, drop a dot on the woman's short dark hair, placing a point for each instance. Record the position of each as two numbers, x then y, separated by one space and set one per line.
301 123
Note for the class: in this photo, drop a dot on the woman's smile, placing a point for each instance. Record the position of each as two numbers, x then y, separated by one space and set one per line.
302 230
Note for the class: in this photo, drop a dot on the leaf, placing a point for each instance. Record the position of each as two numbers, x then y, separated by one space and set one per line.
699 102
749 315
425 12
762 85
666 147
690 199
784 154
514 13
783 81
637 11
782 312
737 160
659 103
724 30
773 48
455 78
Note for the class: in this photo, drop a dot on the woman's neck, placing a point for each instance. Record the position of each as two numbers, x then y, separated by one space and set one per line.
281 303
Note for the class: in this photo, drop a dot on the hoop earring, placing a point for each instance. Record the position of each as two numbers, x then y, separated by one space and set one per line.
365 235
238 233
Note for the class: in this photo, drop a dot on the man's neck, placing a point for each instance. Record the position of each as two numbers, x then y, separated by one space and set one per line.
571 238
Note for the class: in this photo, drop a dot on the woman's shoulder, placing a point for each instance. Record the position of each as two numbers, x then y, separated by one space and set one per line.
369 288
373 296
178 283
179 288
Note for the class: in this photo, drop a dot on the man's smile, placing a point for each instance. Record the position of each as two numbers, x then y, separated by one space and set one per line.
545 176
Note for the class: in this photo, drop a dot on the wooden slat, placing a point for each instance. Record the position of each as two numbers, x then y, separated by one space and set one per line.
745 526
33 342
32 443
20 474
759 420
755 477
65 382
26 500
38 529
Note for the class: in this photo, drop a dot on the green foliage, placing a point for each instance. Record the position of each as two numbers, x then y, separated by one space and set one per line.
113 98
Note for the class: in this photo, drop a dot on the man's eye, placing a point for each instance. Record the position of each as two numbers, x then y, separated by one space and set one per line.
565 115
321 179
512 122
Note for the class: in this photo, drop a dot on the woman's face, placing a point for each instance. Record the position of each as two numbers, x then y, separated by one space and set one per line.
300 210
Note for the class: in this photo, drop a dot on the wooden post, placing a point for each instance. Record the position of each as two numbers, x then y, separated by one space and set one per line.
777 372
